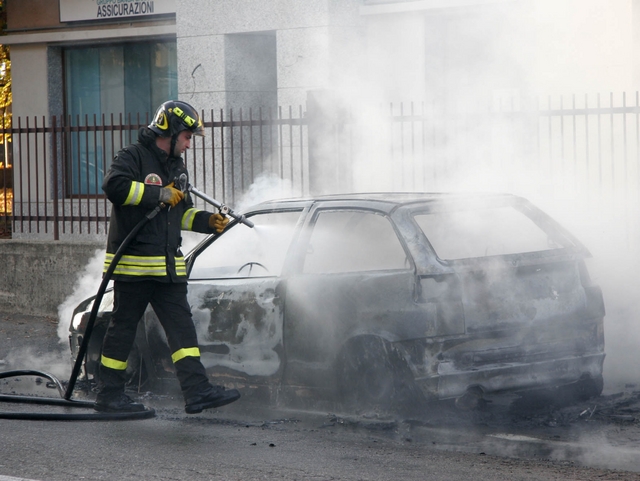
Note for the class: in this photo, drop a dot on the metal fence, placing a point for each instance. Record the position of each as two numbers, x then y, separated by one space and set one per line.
579 150
59 164
577 155
416 146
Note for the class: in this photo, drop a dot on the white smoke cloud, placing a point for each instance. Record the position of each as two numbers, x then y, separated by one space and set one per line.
455 64
86 286
265 187
51 362
503 54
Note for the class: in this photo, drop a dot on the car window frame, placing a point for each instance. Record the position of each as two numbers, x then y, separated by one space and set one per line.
306 232
546 223
206 243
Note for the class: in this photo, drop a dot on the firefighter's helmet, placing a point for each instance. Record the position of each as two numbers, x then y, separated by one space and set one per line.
174 116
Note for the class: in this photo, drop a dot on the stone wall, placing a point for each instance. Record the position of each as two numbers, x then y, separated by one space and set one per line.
37 276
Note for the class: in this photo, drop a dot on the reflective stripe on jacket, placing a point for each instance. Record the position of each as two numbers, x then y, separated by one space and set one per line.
133 185
138 266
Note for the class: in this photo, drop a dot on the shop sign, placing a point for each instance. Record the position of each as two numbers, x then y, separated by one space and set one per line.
78 10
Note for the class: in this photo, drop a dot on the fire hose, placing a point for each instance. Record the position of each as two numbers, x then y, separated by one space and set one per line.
66 400
223 209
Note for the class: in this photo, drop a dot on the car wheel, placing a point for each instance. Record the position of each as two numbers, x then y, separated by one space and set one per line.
541 399
372 375
583 389
587 388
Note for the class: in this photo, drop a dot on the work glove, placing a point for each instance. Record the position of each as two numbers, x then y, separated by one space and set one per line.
218 222
170 195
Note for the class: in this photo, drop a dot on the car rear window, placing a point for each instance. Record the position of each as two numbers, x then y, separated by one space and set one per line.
482 232
242 251
353 241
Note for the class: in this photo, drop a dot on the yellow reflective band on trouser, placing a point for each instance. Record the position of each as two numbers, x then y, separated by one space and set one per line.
185 352
188 217
113 363
135 194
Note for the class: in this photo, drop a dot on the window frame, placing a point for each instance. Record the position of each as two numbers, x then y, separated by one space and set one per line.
89 145
407 265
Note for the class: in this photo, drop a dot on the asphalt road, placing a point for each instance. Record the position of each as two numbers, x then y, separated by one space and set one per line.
235 445
248 442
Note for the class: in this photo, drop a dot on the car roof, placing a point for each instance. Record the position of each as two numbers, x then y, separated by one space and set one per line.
382 200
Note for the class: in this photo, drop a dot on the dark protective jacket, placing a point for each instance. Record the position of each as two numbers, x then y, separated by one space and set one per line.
133 185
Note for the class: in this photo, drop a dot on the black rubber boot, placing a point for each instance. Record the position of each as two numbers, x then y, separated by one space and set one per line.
117 403
211 397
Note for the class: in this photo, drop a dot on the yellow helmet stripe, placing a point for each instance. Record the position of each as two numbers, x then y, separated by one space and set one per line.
185 352
187 118
135 194
113 363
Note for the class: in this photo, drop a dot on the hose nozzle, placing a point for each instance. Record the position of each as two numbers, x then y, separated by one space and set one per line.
222 208
182 182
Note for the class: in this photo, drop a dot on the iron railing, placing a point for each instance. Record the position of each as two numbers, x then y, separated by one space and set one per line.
60 163
581 151
577 157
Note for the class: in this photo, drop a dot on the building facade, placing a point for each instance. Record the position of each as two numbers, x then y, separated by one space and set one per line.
89 61
78 58
85 57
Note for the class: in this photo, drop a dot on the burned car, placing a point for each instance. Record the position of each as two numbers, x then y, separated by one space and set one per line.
379 300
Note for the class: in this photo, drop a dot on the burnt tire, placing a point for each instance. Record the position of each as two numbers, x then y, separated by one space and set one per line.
587 388
558 397
372 375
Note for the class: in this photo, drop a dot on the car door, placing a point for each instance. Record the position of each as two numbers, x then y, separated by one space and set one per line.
234 291
353 277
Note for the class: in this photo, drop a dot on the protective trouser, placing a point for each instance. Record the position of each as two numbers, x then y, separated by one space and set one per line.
169 301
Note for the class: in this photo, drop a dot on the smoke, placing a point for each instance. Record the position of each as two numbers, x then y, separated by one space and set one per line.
246 323
52 362
85 286
265 187
456 65
464 70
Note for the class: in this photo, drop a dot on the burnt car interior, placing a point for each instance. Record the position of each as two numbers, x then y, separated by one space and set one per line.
243 252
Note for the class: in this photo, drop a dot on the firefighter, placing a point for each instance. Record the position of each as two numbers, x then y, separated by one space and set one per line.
152 269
